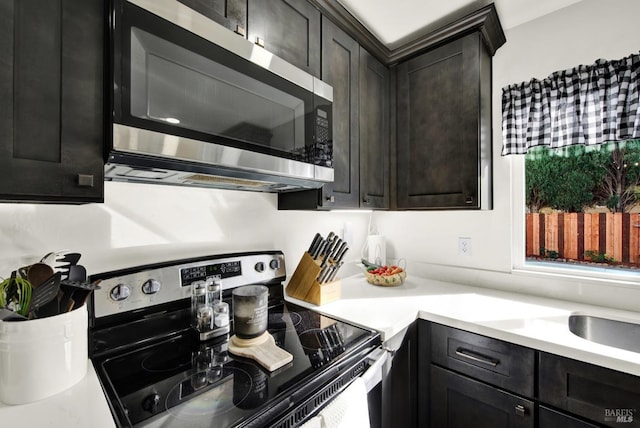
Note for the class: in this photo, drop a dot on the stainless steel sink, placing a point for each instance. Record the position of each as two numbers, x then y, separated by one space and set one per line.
616 333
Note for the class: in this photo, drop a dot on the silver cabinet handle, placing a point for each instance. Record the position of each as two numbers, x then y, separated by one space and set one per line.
479 358
521 410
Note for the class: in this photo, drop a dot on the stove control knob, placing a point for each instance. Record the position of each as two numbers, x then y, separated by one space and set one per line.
259 267
274 264
120 292
150 404
151 286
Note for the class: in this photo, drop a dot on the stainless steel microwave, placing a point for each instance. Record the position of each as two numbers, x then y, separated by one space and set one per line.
196 104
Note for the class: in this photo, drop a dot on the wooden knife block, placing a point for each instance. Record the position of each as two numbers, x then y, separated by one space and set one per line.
304 285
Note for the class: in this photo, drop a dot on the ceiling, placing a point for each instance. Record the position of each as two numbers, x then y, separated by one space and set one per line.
399 21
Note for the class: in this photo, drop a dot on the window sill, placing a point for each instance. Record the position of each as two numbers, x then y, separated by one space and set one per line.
595 275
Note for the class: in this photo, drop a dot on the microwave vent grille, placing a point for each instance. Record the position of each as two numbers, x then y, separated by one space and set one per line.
213 179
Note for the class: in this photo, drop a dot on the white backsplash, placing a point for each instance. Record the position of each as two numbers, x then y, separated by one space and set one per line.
140 224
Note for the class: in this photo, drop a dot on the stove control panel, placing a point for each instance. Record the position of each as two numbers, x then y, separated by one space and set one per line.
137 288
227 269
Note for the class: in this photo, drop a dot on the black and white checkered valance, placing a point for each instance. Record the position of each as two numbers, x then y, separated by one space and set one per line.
589 104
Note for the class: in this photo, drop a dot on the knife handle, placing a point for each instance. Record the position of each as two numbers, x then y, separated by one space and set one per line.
314 243
320 249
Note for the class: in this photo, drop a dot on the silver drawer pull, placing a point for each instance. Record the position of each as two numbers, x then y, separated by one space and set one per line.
521 410
479 358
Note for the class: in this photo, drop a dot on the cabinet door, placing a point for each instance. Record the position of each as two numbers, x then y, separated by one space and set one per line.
288 28
400 386
460 402
374 132
444 127
51 98
229 13
424 373
340 68
602 395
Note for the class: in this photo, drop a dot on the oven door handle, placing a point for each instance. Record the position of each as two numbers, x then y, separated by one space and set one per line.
377 370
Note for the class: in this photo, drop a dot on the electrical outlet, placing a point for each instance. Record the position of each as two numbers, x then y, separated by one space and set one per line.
464 246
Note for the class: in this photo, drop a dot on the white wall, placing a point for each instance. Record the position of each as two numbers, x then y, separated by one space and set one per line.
578 34
136 224
143 224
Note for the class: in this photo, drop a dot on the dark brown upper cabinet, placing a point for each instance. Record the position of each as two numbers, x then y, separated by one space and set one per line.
228 13
444 127
360 128
340 69
51 98
423 116
374 132
289 29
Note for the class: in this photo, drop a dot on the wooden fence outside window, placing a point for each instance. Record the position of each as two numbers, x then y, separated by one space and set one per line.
572 235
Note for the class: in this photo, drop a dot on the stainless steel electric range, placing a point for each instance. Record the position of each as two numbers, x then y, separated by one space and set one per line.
156 372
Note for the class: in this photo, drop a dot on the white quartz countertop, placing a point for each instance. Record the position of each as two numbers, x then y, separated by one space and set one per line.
531 321
82 405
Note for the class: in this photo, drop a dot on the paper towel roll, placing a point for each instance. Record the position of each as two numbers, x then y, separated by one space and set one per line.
376 249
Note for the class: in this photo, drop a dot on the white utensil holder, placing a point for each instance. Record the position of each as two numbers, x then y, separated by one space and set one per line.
42 357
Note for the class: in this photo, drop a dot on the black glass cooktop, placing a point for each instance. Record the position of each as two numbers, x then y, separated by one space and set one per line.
180 381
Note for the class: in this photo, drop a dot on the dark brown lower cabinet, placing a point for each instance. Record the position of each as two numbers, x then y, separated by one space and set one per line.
399 387
467 380
460 402
549 418
607 397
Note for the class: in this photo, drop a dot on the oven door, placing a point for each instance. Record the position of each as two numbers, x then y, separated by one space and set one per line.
352 398
171 77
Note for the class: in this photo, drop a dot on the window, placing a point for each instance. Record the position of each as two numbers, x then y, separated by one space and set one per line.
583 205
579 130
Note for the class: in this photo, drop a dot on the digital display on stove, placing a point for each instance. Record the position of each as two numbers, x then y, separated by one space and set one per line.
201 273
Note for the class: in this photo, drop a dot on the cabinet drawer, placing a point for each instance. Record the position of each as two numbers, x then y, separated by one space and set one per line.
549 418
460 402
503 364
602 395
